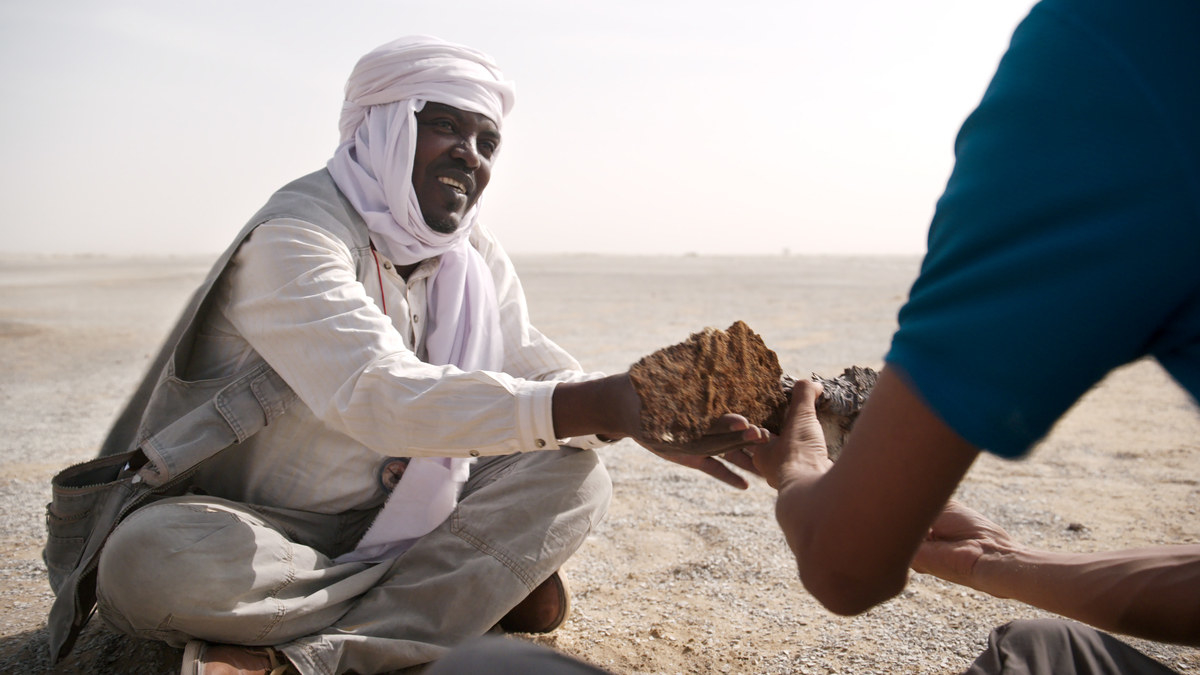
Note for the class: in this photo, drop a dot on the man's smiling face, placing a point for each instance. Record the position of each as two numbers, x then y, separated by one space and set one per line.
453 163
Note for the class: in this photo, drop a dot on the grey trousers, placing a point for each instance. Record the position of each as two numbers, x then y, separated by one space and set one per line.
1056 647
198 567
503 656
1029 647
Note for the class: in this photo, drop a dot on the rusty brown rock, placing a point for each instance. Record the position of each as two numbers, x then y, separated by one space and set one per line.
686 387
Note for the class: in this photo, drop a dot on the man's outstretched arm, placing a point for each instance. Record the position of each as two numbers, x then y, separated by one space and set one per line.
854 526
1149 592
610 407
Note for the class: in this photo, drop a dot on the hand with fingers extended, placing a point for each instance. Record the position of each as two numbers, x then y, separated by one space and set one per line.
733 435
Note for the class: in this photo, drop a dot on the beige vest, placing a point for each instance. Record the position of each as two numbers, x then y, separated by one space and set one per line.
175 423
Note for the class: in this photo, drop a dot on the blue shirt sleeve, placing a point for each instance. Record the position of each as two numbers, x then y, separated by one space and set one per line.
1066 241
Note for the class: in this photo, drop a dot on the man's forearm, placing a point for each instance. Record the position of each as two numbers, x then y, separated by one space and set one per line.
606 407
843 579
1152 593
855 527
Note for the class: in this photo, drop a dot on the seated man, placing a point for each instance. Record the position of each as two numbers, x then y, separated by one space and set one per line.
1063 247
417 405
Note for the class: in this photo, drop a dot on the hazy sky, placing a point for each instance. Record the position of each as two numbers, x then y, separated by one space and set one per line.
641 126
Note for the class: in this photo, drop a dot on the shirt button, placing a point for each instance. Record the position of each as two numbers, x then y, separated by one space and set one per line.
387 265
540 443
473 453
416 318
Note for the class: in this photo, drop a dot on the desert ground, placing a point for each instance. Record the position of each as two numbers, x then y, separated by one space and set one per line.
685 575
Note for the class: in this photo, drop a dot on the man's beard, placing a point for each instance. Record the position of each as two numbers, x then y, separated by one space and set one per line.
442 225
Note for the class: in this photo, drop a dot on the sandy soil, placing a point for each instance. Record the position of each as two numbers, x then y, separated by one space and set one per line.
685 575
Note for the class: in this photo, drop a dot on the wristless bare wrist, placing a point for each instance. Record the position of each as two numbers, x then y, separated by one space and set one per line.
607 408
1001 571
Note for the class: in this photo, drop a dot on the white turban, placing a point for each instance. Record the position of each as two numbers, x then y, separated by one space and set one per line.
373 167
427 69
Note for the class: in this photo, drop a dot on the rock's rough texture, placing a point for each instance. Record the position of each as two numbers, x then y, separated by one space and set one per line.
840 402
684 388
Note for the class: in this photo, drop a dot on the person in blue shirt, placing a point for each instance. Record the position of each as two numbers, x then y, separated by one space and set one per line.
1064 246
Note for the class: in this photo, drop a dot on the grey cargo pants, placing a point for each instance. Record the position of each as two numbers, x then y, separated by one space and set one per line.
197 567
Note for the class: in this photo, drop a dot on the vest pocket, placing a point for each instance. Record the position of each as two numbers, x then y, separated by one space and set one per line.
79 496
61 555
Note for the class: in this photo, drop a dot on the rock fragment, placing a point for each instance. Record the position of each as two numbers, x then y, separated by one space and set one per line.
840 402
686 387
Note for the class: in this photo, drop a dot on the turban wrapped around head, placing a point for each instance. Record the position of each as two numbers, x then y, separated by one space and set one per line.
373 162
427 69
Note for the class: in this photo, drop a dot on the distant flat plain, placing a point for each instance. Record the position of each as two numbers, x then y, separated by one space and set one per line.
685 575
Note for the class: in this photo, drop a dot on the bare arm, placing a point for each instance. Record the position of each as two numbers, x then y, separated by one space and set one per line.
855 526
610 407
1148 592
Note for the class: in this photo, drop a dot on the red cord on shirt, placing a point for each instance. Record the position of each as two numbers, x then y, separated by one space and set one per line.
379 274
